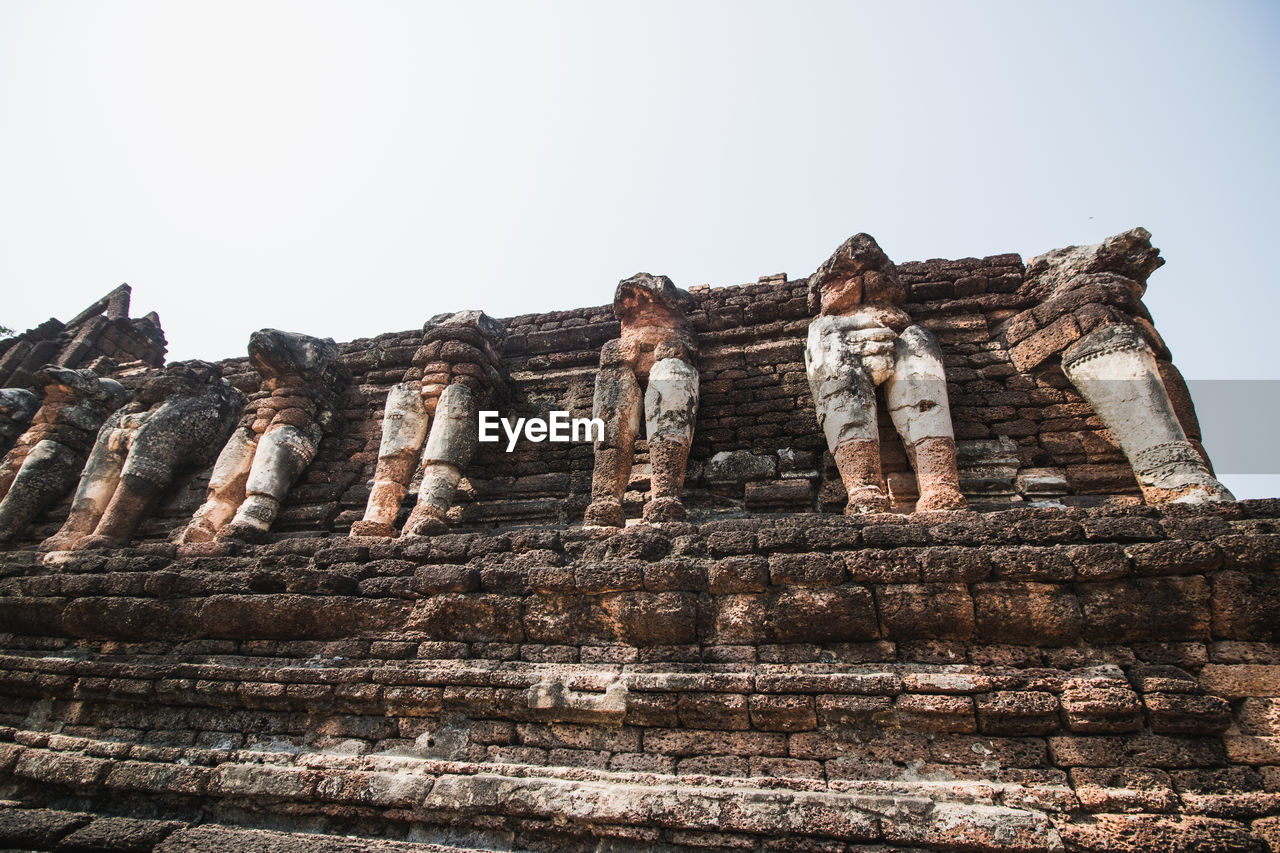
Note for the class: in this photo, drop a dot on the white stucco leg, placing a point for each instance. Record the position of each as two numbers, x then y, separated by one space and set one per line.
1115 371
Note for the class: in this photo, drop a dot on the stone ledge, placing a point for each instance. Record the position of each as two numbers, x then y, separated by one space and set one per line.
463 795
1055 578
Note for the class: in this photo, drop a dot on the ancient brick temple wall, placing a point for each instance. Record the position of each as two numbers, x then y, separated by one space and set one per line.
1107 679
102 331
755 399
1059 668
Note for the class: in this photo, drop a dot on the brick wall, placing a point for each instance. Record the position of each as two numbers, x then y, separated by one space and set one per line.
755 399
999 681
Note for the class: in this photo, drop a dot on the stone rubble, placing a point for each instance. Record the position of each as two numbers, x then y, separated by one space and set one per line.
101 334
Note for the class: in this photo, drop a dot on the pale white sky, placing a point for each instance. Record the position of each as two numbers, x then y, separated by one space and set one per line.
347 169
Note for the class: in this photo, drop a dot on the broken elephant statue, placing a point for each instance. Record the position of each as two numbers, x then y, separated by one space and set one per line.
862 340
1117 361
303 382
429 422
656 347
46 460
17 407
179 418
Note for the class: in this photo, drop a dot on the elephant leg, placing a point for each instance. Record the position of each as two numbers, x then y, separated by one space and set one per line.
11 465
404 429
671 407
1114 369
150 468
617 403
449 449
844 396
284 452
916 395
97 485
47 472
226 487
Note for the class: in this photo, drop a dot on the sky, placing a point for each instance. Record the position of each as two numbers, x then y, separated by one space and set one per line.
348 169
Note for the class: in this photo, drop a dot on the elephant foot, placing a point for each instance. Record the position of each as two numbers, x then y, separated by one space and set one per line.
96 542
60 542
942 498
240 531
373 528
428 526
425 520
606 512
1213 492
866 499
665 509
197 531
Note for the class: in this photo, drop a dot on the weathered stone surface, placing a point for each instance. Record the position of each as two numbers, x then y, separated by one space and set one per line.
656 347
1129 255
739 467
1023 612
37 828
803 681
846 614
1124 789
431 426
46 459
1246 606
863 340
1101 701
223 839
1235 681
925 611
1186 714
1139 832
1147 608
17 407
179 418
119 834
302 384
1017 712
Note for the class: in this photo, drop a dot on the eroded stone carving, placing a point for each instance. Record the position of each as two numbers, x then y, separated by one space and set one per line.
17 407
179 418
657 347
1109 352
46 460
303 380
862 340
457 371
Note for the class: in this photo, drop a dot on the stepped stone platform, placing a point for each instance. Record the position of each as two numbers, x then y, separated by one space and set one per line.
1103 678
